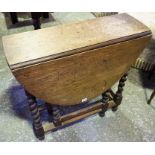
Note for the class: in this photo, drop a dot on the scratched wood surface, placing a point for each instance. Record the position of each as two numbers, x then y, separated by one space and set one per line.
66 79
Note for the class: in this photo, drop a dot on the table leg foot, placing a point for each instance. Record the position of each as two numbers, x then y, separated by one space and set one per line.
101 114
39 132
114 108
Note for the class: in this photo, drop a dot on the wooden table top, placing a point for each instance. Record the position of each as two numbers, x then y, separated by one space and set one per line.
48 43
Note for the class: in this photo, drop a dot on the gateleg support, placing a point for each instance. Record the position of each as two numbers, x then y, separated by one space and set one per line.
118 96
37 124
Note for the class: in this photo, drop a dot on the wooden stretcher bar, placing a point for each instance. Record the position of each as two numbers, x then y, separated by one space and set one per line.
76 116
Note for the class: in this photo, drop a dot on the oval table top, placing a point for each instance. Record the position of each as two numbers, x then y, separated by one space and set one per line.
49 43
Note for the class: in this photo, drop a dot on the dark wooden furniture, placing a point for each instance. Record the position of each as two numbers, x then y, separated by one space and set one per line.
14 18
35 18
72 63
151 97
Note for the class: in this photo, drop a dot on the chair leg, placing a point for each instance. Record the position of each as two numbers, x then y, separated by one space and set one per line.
37 125
36 20
151 97
118 96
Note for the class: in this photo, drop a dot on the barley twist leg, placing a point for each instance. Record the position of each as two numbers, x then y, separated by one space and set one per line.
37 125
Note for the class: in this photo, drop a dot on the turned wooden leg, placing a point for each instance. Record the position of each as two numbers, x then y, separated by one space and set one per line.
56 115
37 125
151 97
105 99
118 96
14 18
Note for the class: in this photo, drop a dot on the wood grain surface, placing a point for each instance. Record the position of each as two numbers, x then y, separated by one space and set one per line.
45 44
70 63
68 80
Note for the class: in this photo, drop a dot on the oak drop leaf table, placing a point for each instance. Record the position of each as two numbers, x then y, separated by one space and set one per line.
71 64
